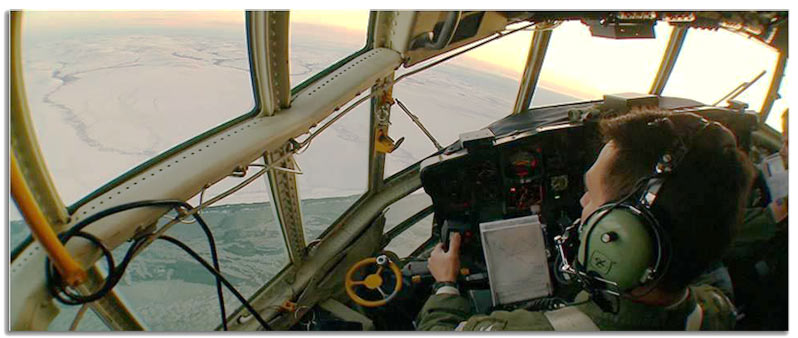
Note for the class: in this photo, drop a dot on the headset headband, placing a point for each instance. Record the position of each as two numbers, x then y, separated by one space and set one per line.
671 158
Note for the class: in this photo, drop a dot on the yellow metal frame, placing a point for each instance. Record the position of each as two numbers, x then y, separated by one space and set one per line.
71 271
23 137
31 185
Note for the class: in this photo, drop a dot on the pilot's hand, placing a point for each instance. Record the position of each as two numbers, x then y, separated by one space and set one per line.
445 265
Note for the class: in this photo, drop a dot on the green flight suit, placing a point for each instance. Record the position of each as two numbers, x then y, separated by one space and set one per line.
754 239
715 312
758 264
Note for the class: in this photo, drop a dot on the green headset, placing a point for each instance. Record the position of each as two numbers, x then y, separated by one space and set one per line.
621 245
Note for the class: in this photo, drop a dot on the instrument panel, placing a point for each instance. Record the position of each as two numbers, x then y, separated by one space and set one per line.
493 178
484 178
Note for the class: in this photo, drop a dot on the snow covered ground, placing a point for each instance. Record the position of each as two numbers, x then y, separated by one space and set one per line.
103 104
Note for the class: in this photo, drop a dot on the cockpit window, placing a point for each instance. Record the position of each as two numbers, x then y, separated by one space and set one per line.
409 240
713 63
110 90
468 89
578 66
405 208
320 38
407 213
334 170
168 290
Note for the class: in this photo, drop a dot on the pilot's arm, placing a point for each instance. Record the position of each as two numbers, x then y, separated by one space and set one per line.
446 308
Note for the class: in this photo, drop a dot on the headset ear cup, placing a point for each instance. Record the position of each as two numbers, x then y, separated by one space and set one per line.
617 245
585 230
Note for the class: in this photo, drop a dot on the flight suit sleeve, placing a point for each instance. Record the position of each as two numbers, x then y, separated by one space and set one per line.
518 320
443 312
446 312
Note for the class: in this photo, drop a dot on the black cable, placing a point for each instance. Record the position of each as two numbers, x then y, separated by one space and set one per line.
110 281
54 281
219 277
55 284
215 260
546 304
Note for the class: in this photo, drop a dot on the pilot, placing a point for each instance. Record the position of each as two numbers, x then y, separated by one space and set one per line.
691 181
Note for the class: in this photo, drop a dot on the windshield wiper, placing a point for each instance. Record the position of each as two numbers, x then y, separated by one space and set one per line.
739 89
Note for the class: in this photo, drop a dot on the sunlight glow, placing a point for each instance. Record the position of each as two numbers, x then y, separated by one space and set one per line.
351 20
88 19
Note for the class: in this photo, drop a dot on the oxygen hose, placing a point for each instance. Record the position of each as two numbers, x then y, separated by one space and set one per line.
41 229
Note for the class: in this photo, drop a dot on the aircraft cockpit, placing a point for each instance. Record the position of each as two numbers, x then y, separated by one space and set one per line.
526 168
318 208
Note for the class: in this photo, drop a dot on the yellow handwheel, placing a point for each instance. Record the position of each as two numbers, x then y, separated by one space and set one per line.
373 281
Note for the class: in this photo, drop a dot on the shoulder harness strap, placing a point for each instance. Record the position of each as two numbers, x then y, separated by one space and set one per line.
570 319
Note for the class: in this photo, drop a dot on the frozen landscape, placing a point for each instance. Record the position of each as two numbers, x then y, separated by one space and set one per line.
104 103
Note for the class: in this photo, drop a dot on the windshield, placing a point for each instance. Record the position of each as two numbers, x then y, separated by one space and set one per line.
713 63
588 67
578 66
110 90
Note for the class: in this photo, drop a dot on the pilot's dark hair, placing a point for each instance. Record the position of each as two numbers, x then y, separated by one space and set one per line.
701 202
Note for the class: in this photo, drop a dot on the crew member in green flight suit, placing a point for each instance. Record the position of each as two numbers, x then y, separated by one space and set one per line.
757 260
698 204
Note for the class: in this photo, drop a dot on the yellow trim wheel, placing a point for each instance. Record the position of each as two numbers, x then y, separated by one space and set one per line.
373 281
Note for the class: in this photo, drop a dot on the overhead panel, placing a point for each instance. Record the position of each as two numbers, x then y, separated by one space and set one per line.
431 26
393 29
269 41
